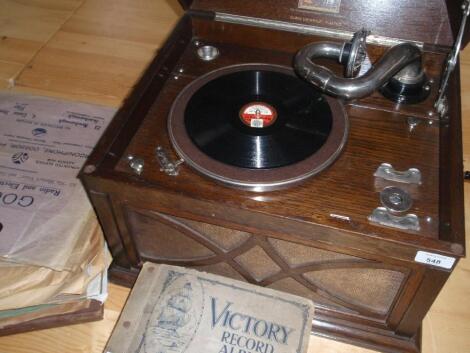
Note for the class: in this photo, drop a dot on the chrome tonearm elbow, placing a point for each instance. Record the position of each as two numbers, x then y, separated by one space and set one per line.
398 74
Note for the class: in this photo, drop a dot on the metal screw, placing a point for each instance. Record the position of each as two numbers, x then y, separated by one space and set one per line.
412 122
396 199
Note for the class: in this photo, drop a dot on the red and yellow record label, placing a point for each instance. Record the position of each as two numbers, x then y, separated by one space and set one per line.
258 114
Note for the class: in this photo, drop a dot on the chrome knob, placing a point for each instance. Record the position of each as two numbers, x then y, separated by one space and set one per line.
136 164
396 199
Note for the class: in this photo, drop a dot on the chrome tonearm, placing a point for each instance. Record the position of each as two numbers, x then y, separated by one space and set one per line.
398 74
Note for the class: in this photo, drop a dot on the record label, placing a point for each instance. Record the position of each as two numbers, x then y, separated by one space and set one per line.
258 114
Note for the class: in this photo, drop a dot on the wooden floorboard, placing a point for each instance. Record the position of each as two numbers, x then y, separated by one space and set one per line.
101 51
94 51
25 28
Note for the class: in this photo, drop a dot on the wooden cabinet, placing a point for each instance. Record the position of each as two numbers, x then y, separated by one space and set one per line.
313 239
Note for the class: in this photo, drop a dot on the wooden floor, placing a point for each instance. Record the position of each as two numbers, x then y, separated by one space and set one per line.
94 51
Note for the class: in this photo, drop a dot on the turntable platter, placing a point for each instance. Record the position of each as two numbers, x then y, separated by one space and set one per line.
258 119
257 127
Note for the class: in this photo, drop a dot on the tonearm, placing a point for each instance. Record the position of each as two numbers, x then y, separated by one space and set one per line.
398 73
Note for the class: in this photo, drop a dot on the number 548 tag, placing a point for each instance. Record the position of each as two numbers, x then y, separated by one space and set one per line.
435 259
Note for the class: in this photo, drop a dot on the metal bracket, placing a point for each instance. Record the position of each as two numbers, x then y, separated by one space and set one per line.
167 165
381 216
387 172
441 104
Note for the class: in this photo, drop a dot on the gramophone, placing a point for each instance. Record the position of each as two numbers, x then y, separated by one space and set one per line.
308 146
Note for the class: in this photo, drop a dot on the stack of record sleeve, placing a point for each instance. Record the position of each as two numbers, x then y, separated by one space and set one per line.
36 297
53 258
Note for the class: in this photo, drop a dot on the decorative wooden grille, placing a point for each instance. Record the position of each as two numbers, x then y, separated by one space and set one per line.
331 279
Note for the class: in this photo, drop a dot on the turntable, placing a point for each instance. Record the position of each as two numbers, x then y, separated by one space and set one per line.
309 146
256 127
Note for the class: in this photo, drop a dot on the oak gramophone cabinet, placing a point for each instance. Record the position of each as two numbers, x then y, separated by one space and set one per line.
367 220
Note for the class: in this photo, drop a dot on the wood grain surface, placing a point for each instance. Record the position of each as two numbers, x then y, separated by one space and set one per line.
94 51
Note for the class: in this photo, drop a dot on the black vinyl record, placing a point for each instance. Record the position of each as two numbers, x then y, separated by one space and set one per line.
258 119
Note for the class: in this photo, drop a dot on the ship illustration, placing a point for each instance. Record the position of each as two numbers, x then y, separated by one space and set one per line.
176 312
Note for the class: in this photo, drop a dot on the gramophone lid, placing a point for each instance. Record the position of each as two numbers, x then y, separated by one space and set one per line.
432 22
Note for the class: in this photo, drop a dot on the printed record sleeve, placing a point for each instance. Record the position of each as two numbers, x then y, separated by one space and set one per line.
175 310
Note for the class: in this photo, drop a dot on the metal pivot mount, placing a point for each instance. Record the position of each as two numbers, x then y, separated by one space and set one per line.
441 102
167 165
